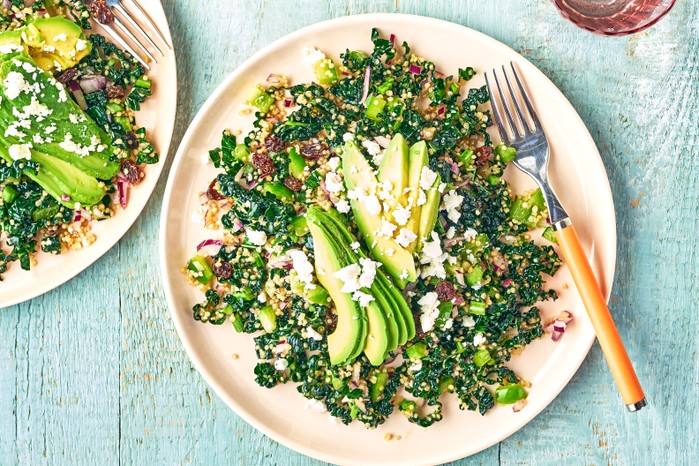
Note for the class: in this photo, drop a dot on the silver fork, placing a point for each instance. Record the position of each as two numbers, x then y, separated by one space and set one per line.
532 158
125 22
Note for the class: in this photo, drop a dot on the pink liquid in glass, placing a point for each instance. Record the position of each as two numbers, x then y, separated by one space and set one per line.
614 17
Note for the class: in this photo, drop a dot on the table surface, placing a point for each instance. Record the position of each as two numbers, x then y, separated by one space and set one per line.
94 373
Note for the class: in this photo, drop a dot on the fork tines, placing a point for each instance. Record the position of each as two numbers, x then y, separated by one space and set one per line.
127 25
526 118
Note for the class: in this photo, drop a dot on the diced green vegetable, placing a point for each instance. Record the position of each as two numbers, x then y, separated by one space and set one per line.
241 152
45 213
482 357
507 154
8 194
268 318
509 394
377 388
444 314
201 270
143 82
417 350
375 105
237 322
475 275
549 234
319 295
326 71
282 193
260 98
446 384
477 308
407 406
299 225
297 164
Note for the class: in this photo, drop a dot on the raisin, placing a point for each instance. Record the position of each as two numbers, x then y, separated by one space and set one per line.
293 184
274 143
263 162
68 75
483 155
213 193
446 291
315 151
114 91
130 140
131 172
222 269
102 13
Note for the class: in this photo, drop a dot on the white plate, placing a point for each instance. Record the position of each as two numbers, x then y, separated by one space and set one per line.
281 413
157 115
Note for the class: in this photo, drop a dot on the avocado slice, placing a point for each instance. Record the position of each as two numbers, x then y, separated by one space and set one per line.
419 158
430 210
54 42
358 173
348 339
66 132
377 341
394 167
395 328
60 179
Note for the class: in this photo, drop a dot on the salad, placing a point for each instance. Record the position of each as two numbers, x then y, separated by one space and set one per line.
70 147
369 242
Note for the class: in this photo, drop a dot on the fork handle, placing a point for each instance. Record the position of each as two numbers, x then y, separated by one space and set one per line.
596 306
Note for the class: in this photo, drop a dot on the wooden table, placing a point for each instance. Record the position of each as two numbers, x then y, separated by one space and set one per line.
94 373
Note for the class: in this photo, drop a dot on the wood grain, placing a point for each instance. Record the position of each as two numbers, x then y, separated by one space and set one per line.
93 372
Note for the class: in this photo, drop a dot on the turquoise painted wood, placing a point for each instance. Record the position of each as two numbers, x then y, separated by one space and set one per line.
93 372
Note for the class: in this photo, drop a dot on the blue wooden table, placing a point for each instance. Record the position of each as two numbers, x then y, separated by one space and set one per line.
94 373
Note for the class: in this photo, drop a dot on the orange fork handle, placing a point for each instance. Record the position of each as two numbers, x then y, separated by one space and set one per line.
601 318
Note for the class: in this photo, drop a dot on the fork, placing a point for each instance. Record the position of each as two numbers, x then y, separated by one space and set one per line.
120 27
532 158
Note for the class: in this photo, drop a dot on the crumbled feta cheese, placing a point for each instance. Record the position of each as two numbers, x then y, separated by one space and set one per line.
432 249
281 364
387 229
372 204
429 310
421 197
342 206
349 276
450 232
262 297
74 119
7 49
312 334
442 187
479 339
427 178
333 182
355 246
19 152
451 203
372 147
468 321
363 298
470 234
334 163
449 323
404 274
312 55
302 266
15 84
402 214
366 279
356 193
405 237
348 137
60 37
390 252
385 190
81 45
415 367
258 238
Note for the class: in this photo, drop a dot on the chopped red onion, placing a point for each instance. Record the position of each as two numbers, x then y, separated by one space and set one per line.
453 165
383 141
90 84
392 39
415 69
78 94
65 197
459 277
210 247
558 327
519 405
273 79
301 210
507 282
439 74
441 110
237 225
367 83
289 102
459 300
123 191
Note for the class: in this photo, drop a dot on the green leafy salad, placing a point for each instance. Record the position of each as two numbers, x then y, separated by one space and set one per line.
69 145
370 243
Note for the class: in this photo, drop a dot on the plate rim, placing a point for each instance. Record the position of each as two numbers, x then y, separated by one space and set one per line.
179 157
107 246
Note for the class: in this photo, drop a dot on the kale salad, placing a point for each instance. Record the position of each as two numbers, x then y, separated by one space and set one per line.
70 148
370 244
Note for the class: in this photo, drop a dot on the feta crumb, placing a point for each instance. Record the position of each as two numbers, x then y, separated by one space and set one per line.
281 364
258 238
402 214
432 249
372 204
355 246
366 279
404 274
405 237
20 151
302 266
334 163
60 37
312 55
451 203
81 45
372 147
429 310
427 178
390 251
342 206
479 339
421 197
387 229
450 233
363 298
348 137
469 321
312 334
349 276
333 183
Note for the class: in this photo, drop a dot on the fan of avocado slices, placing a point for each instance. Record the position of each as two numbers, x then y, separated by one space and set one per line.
39 122
370 243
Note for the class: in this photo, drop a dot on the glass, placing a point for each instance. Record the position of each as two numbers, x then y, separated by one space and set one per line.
614 17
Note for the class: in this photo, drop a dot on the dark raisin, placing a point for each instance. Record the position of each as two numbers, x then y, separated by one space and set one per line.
222 269
330 322
131 172
446 291
263 162
114 91
68 75
315 151
130 140
213 193
483 155
101 11
274 143
293 184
